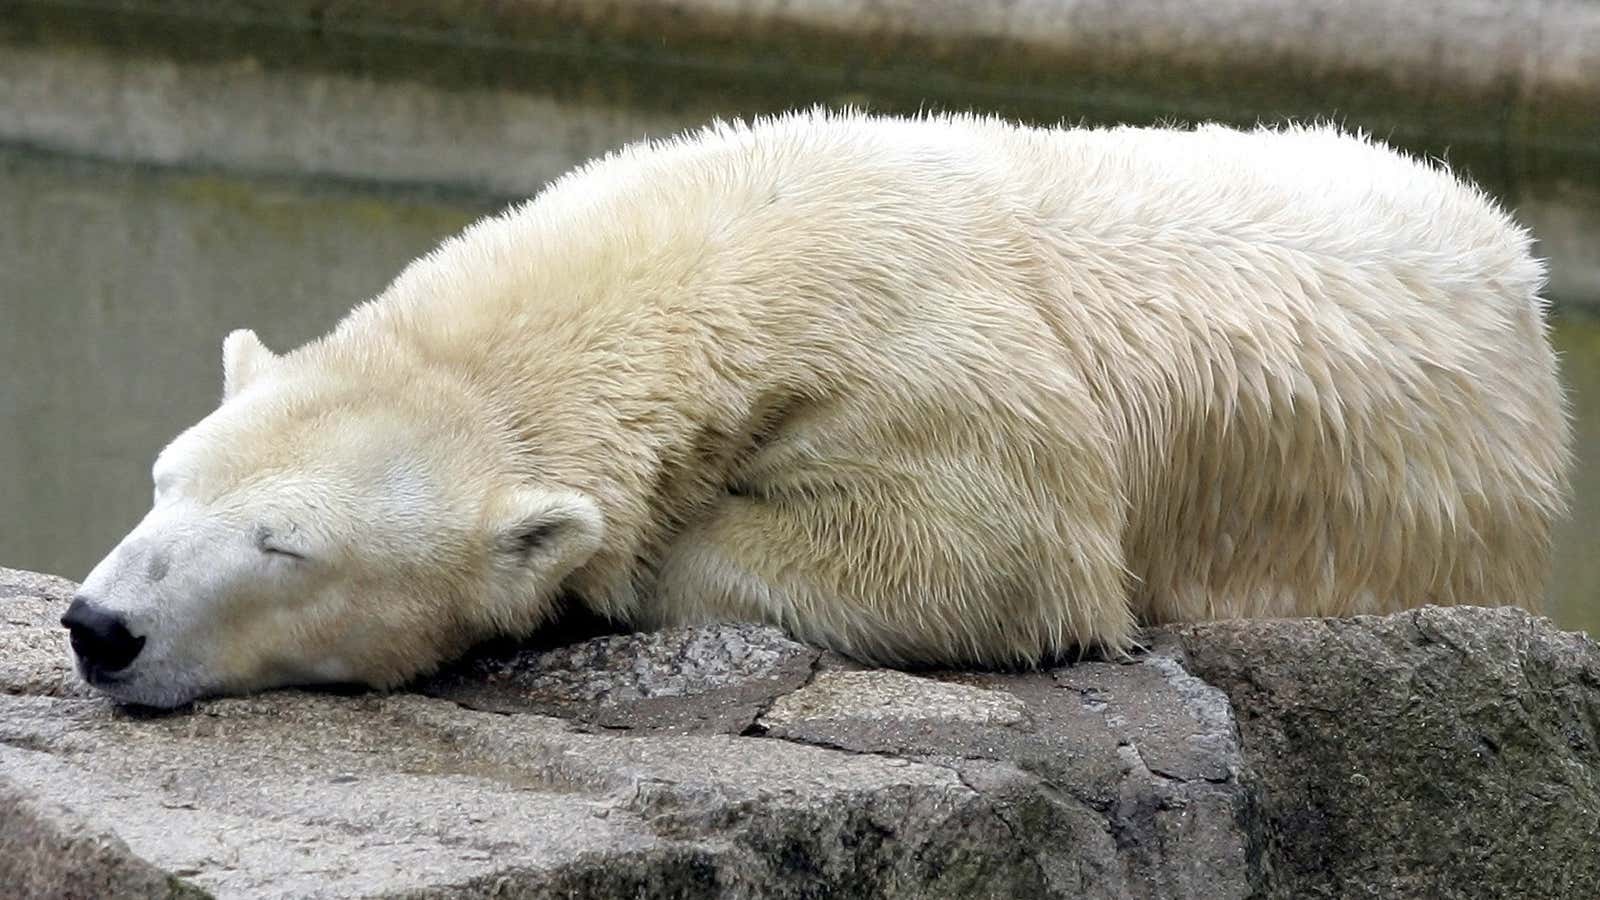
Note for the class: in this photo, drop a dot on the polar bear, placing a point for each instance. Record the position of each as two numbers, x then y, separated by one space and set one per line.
944 390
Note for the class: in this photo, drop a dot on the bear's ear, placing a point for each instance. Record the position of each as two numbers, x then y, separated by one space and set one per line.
551 531
243 358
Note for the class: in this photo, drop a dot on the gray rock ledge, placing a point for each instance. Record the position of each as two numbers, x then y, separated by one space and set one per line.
1440 753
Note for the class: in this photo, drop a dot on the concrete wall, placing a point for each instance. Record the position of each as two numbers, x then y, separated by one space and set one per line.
498 97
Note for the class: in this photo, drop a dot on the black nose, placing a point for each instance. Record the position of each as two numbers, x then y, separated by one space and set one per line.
100 638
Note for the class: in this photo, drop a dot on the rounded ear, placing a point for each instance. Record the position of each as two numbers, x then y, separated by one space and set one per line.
550 531
243 358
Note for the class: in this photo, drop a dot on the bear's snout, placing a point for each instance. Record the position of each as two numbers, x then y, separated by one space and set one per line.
101 639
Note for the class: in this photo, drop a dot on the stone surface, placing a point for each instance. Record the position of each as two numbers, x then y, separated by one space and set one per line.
1428 754
33 646
1436 753
1137 765
49 851
713 681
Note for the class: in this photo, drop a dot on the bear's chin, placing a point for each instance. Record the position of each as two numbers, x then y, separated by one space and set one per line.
146 690
151 695
143 696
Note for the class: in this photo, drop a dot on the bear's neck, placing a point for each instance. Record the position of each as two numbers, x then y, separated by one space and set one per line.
618 400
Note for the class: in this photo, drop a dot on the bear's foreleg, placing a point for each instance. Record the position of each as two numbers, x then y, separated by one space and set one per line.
899 576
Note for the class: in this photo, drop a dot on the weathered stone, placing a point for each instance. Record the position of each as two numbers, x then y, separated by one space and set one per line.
1447 753
50 851
1137 765
1434 753
699 680
35 658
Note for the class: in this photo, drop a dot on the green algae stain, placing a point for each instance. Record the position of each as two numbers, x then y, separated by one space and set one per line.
285 207
1575 584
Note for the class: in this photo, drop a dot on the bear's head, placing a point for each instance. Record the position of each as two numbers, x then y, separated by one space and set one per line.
329 522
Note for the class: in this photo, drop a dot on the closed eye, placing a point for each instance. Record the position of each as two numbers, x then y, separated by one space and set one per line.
268 542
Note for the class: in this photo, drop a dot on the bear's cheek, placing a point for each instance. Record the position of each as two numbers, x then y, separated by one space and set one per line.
313 632
268 634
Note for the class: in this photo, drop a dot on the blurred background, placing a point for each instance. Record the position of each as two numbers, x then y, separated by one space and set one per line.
173 169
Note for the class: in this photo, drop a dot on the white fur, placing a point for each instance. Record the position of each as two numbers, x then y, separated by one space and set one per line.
944 390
